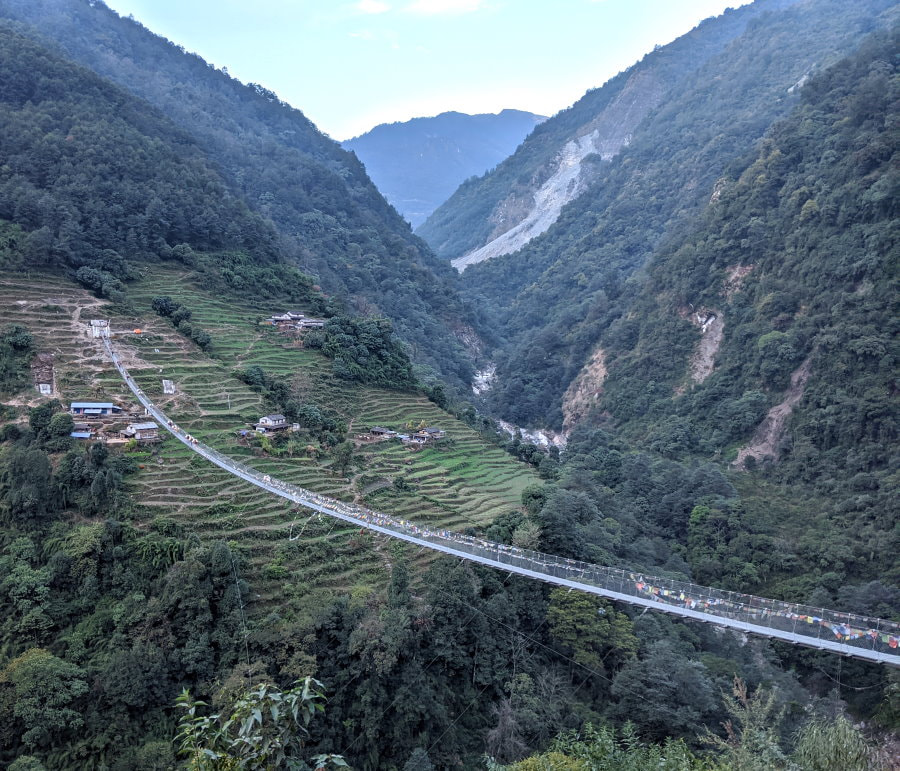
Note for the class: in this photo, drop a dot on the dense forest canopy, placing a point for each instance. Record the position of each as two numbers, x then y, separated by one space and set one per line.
102 180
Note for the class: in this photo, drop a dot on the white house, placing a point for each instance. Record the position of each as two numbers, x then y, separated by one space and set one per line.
94 408
274 422
143 432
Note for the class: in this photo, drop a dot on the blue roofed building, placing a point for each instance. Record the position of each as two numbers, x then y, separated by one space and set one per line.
94 408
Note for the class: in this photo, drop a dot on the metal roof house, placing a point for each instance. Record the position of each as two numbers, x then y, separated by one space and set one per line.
274 422
294 320
94 408
143 432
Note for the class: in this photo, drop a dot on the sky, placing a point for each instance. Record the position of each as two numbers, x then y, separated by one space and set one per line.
350 65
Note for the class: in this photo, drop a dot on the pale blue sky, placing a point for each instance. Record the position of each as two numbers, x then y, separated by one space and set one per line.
349 65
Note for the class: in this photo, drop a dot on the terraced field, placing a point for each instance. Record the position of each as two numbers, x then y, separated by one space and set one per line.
460 482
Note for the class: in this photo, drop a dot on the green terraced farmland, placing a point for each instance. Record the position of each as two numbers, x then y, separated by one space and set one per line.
459 482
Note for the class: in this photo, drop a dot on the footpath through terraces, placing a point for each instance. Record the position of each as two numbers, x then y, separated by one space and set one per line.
873 639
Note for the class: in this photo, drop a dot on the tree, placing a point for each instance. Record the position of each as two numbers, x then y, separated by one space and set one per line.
180 313
751 736
45 691
164 306
39 417
16 351
27 590
418 761
58 432
592 632
664 693
27 763
600 749
202 338
25 485
561 518
832 745
343 457
533 497
265 728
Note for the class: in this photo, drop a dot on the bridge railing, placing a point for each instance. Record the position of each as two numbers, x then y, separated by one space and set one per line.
846 632
791 619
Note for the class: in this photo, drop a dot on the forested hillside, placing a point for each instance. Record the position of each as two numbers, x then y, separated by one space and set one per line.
419 163
482 208
798 257
331 221
555 296
101 182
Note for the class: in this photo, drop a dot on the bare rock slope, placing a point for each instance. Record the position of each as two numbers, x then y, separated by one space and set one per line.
518 221
767 438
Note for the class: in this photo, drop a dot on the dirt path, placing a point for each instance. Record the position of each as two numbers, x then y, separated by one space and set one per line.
769 433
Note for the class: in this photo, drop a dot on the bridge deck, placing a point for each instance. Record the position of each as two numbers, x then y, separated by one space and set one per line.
849 634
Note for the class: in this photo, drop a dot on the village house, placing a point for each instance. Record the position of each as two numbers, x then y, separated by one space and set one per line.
430 434
97 409
292 320
81 431
99 327
269 423
381 431
143 432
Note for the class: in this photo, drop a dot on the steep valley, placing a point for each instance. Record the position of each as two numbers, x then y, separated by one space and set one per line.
679 362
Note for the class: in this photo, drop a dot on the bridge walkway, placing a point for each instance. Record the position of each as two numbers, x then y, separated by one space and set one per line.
872 639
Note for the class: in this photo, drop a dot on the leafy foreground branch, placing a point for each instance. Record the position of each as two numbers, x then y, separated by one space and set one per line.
266 729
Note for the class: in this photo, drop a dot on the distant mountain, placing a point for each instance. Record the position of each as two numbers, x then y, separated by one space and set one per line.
418 164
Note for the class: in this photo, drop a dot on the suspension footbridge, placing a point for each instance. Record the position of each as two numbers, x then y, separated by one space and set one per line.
872 639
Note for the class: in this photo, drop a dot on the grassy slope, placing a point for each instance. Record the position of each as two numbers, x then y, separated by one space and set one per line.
463 482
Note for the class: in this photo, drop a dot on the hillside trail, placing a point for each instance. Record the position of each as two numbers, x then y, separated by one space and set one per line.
246 353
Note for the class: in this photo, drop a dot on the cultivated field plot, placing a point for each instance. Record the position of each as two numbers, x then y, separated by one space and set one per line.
459 482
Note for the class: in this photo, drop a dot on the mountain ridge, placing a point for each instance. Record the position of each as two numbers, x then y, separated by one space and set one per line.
418 163
332 222
553 298
484 209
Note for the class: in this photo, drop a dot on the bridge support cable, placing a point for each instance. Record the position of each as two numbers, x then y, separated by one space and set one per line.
872 639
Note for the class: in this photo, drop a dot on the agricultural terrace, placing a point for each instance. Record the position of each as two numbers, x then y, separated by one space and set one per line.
459 482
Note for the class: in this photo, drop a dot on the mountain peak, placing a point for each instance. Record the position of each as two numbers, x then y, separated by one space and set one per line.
417 164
